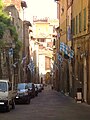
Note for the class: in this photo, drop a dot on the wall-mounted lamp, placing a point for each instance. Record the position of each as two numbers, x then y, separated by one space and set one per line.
23 4
82 53
62 10
78 47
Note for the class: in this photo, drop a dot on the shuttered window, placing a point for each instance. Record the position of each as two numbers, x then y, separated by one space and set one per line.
76 24
47 63
80 22
73 26
85 19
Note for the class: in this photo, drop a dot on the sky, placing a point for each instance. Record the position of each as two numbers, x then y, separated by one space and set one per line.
41 9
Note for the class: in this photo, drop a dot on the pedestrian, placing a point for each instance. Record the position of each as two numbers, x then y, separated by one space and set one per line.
52 87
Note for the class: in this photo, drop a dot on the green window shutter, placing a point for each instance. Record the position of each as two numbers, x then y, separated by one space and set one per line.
73 26
80 22
76 24
85 19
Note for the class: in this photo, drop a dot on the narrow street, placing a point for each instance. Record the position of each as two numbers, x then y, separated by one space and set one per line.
49 105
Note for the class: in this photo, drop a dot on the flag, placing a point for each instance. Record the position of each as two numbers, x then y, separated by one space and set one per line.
23 60
11 52
71 54
69 33
60 57
66 49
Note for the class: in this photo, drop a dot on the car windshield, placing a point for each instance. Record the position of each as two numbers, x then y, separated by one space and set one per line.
38 85
35 85
30 85
21 86
3 86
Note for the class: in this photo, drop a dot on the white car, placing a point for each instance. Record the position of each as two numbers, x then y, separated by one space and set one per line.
7 95
39 87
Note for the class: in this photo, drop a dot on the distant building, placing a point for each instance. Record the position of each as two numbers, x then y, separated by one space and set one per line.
44 33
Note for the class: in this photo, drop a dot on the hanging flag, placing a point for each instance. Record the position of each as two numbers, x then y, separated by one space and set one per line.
71 54
60 57
31 66
11 52
23 60
69 33
58 35
66 49
14 64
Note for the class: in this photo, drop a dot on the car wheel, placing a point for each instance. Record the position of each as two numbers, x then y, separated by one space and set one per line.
28 100
36 94
8 108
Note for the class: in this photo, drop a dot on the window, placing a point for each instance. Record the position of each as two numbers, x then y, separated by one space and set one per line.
80 22
42 40
76 24
38 40
26 86
73 26
47 63
85 19
53 42
3 86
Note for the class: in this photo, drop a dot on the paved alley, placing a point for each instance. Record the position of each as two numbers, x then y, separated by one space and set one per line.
49 105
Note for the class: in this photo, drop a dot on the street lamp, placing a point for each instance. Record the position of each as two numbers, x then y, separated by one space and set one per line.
23 5
58 47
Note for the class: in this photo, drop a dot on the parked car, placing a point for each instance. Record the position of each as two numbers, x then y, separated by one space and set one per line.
42 86
7 95
39 87
23 93
32 89
36 89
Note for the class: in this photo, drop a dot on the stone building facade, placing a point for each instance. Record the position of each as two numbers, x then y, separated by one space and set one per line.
80 39
76 14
